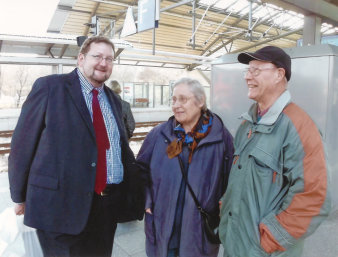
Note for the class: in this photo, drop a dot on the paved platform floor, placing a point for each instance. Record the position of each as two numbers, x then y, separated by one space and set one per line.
130 238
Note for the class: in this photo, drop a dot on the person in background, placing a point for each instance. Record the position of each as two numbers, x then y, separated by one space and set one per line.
127 115
278 186
70 164
173 224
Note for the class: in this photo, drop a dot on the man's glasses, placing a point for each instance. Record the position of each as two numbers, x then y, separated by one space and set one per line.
99 58
180 99
255 71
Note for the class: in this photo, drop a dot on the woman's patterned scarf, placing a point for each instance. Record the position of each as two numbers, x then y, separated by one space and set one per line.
199 131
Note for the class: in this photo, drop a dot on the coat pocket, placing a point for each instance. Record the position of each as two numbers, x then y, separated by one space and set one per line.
265 161
266 182
149 227
43 181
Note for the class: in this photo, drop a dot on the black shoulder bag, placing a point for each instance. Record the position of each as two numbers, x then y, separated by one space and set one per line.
210 221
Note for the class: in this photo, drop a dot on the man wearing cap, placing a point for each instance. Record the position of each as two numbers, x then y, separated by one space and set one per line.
278 186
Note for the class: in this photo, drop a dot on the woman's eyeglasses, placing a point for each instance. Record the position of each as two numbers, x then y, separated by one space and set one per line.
180 99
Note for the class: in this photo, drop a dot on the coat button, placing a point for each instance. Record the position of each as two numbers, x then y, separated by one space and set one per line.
230 214
239 166
93 164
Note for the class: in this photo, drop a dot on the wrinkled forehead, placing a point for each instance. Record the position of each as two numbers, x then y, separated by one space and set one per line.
182 90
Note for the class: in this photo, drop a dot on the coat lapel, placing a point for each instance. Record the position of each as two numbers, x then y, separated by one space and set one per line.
74 89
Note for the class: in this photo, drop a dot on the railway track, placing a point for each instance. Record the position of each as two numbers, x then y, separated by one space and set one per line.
137 136
5 147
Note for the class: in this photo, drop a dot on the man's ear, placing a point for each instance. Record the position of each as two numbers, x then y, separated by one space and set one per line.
280 74
80 59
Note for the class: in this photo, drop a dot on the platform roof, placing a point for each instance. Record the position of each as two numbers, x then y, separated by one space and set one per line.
190 34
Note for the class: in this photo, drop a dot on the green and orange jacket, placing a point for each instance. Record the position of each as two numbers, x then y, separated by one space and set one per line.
278 186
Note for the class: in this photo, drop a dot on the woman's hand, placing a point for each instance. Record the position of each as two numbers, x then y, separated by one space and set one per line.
148 210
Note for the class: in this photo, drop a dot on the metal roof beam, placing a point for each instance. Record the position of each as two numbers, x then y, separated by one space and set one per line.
242 33
162 59
175 5
232 25
118 52
63 50
268 40
90 18
36 61
70 9
48 50
192 66
192 38
207 78
111 2
166 12
180 55
327 11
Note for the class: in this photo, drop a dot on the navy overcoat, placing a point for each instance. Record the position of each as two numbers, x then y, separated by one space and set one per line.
52 164
207 175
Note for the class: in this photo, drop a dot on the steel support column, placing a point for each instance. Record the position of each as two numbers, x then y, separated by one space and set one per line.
311 30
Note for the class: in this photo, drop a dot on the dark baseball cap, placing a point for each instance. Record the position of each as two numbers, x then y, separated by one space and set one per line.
271 54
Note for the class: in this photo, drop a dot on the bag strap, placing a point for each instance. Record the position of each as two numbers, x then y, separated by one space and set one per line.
189 187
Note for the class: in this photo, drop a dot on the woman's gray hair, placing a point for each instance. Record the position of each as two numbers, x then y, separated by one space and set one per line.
195 87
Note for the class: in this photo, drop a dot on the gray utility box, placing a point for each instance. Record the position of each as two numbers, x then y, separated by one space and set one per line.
313 86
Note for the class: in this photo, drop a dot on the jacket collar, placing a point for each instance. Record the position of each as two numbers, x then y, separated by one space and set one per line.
74 88
273 113
214 135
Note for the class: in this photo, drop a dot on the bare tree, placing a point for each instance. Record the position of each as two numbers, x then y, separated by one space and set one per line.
22 79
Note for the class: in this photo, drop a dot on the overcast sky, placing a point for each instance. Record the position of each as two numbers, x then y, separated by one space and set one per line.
26 17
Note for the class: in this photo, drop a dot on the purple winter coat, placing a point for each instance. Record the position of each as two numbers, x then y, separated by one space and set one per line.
208 175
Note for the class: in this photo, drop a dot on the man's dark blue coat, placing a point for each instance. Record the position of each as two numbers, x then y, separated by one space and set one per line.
53 157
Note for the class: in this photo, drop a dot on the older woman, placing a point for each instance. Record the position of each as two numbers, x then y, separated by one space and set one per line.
173 224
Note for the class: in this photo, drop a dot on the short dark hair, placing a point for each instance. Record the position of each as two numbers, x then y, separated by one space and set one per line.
95 39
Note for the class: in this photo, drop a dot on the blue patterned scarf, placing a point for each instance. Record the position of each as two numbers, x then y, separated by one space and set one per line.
199 131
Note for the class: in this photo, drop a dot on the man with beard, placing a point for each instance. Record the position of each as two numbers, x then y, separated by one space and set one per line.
70 160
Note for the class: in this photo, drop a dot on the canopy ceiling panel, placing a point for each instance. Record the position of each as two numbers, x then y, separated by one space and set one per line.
208 28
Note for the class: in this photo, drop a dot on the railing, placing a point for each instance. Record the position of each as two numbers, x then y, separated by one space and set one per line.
6 133
138 136
147 124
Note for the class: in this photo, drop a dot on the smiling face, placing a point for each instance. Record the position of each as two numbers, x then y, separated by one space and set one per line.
96 71
263 87
186 108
